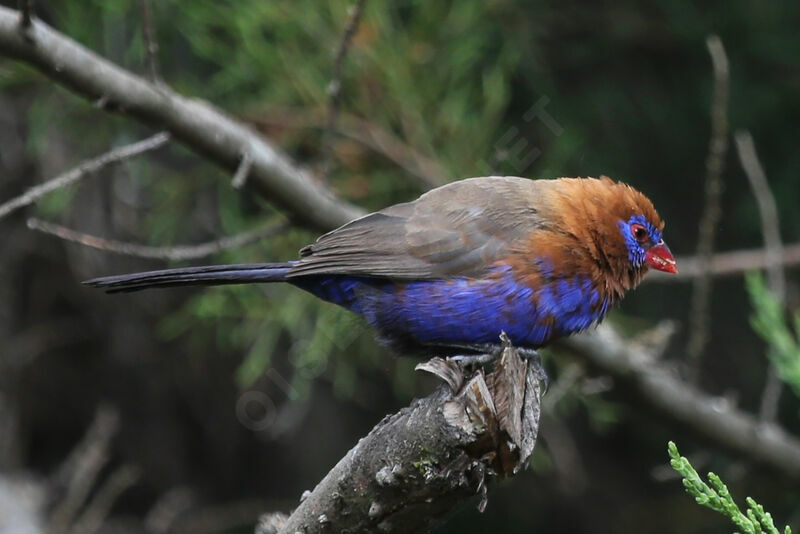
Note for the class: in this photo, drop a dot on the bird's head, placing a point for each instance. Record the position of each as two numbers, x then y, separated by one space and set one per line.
636 242
617 226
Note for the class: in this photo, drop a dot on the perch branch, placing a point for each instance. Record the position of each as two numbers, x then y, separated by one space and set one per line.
712 418
699 318
82 171
171 253
770 227
196 123
416 465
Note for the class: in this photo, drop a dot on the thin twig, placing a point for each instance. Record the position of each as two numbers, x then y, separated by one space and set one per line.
162 516
98 508
335 85
773 245
718 146
80 471
429 171
174 253
243 171
768 211
81 171
149 41
25 14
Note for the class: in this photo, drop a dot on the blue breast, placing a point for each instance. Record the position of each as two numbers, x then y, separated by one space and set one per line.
462 310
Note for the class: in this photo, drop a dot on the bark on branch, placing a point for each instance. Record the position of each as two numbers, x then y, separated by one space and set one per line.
417 465
713 418
198 124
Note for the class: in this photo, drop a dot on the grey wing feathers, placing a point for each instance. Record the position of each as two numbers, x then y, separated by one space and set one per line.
460 228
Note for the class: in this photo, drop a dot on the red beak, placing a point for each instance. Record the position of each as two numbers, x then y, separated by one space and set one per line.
660 258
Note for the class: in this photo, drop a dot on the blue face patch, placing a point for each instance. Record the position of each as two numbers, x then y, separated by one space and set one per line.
636 252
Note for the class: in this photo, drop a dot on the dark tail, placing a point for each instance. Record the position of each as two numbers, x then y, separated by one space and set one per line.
209 275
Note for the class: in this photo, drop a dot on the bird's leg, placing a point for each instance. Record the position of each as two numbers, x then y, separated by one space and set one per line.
475 354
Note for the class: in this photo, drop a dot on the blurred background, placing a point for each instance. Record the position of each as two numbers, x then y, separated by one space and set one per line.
196 410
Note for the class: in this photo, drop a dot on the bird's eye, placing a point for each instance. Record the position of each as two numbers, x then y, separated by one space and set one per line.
640 233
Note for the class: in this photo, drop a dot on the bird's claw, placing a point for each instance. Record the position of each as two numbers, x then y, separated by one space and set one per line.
473 360
530 355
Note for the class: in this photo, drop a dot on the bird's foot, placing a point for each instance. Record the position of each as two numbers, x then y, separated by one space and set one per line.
480 354
474 360
533 357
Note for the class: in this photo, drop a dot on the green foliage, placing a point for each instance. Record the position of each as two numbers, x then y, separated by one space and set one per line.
772 324
717 497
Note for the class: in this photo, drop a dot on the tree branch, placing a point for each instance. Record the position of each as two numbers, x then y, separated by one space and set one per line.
335 85
770 228
171 253
240 178
727 264
415 466
81 171
199 125
149 42
699 318
712 418
429 171
767 209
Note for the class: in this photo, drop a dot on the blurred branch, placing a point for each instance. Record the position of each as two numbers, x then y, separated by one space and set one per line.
429 172
171 253
198 124
25 13
242 172
168 508
699 319
712 418
770 227
82 171
78 473
10 426
149 41
415 466
23 347
730 263
768 211
335 85
98 508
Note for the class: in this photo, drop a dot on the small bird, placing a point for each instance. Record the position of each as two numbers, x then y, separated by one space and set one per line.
445 274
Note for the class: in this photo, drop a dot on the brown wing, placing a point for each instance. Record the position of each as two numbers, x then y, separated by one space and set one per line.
458 229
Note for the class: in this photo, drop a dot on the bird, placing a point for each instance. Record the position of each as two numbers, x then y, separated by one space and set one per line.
447 273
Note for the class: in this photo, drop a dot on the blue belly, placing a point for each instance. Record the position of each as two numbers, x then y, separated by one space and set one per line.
462 310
